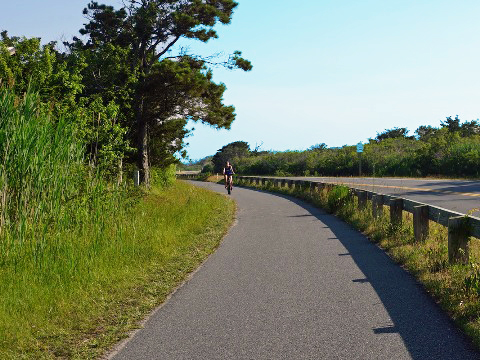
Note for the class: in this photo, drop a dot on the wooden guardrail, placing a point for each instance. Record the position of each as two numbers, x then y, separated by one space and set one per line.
460 226
188 176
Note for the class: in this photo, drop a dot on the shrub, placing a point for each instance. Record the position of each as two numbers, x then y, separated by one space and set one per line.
163 177
207 169
338 197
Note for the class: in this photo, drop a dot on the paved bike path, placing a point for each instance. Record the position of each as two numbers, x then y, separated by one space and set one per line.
291 282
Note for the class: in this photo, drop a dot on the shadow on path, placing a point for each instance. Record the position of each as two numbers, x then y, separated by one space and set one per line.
426 330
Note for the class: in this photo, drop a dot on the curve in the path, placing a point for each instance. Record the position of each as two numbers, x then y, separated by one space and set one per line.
291 282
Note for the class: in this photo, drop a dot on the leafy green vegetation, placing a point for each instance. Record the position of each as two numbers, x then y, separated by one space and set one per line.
135 91
455 287
95 281
82 257
129 52
452 150
235 150
83 253
337 198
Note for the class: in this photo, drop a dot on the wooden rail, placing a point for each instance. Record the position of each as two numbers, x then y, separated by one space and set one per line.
460 226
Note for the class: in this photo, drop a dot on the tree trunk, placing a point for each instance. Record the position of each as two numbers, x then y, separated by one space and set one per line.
120 172
142 124
142 146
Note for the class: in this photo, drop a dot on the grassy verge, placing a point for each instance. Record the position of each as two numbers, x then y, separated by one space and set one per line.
115 278
210 178
455 287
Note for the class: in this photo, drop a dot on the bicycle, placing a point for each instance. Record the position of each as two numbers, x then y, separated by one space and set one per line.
229 184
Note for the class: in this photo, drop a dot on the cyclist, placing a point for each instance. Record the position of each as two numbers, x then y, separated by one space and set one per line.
227 174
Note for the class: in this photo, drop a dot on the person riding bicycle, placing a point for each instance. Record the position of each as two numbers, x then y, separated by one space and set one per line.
227 173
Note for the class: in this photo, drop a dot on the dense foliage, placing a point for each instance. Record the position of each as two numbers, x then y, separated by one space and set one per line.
72 123
131 93
235 150
157 94
450 150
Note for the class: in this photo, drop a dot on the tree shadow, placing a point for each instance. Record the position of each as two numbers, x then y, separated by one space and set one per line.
385 330
361 281
303 215
426 330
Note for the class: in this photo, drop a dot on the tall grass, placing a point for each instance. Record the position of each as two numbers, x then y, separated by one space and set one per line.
54 213
37 159
45 189
81 259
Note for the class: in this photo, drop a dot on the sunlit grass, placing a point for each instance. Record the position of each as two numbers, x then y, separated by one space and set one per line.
77 314
82 259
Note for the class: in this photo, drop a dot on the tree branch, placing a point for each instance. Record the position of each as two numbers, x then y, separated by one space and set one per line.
159 55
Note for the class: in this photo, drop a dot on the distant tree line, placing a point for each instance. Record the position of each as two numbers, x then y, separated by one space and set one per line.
452 149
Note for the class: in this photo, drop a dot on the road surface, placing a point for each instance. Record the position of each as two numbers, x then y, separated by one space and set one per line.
292 282
457 195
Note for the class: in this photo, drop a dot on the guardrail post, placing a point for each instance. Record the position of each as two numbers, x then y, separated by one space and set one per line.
299 184
257 181
303 185
275 183
377 205
136 177
313 186
420 222
362 199
290 184
320 186
306 185
282 183
458 234
263 181
396 208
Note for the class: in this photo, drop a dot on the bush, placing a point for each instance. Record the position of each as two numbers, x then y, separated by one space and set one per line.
163 177
207 169
338 197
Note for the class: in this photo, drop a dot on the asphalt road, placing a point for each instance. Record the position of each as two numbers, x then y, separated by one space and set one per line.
457 195
291 282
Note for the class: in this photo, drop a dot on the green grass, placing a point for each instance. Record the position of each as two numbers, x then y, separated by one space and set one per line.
81 257
455 287
92 285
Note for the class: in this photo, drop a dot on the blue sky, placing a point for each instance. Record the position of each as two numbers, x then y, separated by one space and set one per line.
324 71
